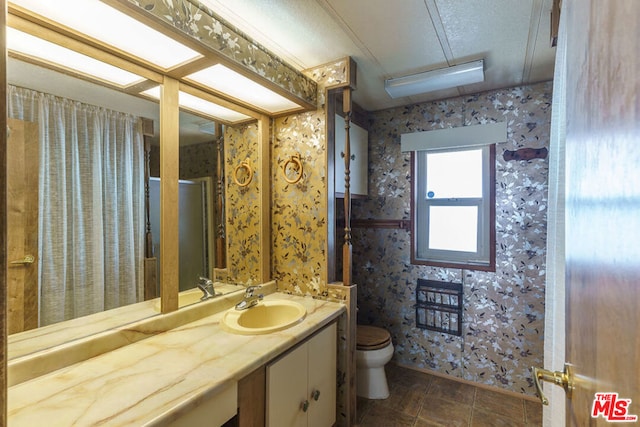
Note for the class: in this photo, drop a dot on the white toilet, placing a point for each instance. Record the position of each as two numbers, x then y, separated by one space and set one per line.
374 350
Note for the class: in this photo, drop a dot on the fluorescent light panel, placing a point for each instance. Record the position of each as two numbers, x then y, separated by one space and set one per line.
35 47
112 27
227 81
430 81
208 108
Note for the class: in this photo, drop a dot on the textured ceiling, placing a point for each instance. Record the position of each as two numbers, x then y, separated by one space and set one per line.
395 38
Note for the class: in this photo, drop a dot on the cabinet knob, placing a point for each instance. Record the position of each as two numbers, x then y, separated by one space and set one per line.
315 395
305 406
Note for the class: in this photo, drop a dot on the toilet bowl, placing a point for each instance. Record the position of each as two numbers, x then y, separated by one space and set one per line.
374 350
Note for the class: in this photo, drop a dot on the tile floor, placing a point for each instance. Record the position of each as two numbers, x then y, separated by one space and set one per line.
419 399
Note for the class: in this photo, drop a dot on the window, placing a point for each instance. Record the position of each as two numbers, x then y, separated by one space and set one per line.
453 207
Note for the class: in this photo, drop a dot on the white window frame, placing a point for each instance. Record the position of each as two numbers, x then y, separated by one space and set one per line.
484 257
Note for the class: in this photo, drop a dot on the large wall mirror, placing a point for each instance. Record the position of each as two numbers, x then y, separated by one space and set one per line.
84 207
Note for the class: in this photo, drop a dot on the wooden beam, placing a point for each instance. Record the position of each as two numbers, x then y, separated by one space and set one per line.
169 175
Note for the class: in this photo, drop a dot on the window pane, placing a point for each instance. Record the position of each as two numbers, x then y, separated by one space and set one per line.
453 228
454 174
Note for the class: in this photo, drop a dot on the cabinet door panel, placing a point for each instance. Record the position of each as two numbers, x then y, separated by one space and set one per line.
286 389
322 378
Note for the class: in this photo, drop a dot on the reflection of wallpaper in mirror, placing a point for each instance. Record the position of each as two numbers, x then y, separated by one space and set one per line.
243 209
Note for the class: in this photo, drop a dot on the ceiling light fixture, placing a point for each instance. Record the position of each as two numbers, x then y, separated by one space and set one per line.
112 27
202 106
430 81
231 83
44 50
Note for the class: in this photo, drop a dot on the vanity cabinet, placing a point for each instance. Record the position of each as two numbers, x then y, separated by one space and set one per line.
359 146
213 412
301 385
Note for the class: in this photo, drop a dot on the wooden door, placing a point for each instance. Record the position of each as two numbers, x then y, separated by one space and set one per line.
22 225
603 208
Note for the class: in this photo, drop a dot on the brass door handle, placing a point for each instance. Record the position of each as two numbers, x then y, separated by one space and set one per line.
564 378
28 259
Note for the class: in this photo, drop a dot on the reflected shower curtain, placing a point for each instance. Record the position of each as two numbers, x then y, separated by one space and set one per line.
91 213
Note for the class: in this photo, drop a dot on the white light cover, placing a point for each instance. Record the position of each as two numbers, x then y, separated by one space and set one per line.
27 44
430 81
203 106
227 81
102 22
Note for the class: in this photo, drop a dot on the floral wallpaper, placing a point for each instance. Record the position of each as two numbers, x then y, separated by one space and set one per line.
242 204
299 211
503 319
201 23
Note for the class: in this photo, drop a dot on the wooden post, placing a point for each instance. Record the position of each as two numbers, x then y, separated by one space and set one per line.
169 170
346 249
221 252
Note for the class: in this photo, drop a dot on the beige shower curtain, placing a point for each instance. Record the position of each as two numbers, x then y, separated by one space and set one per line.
91 213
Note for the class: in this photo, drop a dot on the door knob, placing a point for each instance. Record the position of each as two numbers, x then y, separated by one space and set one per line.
28 259
564 379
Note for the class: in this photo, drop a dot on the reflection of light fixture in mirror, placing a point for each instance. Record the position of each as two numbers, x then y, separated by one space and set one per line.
443 78
227 81
35 47
202 106
110 26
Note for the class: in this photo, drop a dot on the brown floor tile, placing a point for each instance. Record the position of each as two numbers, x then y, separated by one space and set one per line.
421 400
533 413
379 415
482 418
445 412
426 423
499 403
451 390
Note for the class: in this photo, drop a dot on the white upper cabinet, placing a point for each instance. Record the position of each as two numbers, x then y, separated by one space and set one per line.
359 142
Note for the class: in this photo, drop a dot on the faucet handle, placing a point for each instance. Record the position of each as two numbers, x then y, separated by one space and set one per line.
249 291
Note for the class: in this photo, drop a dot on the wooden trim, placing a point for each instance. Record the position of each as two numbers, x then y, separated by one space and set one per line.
3 217
402 224
264 186
472 383
330 125
252 398
169 175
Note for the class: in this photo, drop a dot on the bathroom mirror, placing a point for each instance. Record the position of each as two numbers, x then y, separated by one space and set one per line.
194 128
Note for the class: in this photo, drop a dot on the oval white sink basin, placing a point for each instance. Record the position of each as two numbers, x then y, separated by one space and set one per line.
266 317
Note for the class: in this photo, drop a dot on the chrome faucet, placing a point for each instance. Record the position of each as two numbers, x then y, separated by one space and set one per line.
250 299
206 286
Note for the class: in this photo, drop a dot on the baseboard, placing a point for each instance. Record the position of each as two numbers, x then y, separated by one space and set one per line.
473 383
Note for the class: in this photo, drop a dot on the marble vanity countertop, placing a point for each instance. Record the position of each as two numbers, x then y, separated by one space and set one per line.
152 381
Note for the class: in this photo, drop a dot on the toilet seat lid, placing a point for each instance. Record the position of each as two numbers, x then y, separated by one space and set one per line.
371 337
